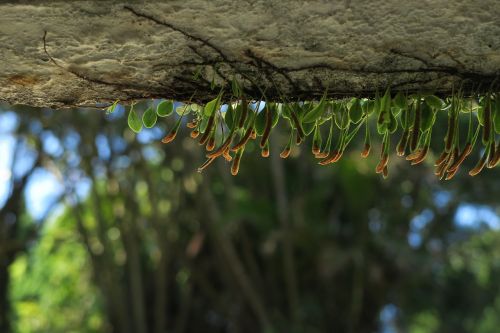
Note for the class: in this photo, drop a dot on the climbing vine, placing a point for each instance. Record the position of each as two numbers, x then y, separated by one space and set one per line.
226 128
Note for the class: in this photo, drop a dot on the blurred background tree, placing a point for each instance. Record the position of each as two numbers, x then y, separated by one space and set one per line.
105 231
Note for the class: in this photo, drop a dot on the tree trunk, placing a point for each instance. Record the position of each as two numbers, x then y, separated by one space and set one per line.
87 53
4 296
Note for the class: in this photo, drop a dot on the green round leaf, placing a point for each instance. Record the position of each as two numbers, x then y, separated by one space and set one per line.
384 117
315 112
195 107
385 102
260 122
165 108
428 116
308 127
133 120
276 115
229 116
369 106
496 115
286 111
112 108
212 106
470 104
393 123
480 114
204 124
395 111
317 139
237 112
303 109
399 101
337 114
149 118
356 111
183 109
382 127
434 102
344 122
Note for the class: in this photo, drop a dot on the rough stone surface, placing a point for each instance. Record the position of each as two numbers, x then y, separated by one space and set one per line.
87 52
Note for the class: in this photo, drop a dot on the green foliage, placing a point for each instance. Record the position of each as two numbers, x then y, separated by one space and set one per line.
212 106
316 112
51 287
134 122
112 107
165 108
149 117
416 113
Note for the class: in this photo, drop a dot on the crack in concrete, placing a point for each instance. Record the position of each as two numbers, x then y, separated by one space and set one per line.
224 57
214 65
275 68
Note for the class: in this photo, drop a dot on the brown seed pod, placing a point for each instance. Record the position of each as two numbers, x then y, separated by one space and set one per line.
170 137
322 154
333 157
454 156
298 139
339 155
401 147
414 155
243 140
449 161
442 173
444 155
480 164
366 150
382 164
267 129
235 167
298 126
451 173
459 160
225 146
194 133
446 163
315 148
210 143
497 155
456 153
265 152
492 156
285 153
253 135
192 124
440 169
208 130
206 164
226 155
421 157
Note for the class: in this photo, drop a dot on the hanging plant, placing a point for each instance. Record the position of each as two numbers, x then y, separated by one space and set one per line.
410 117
